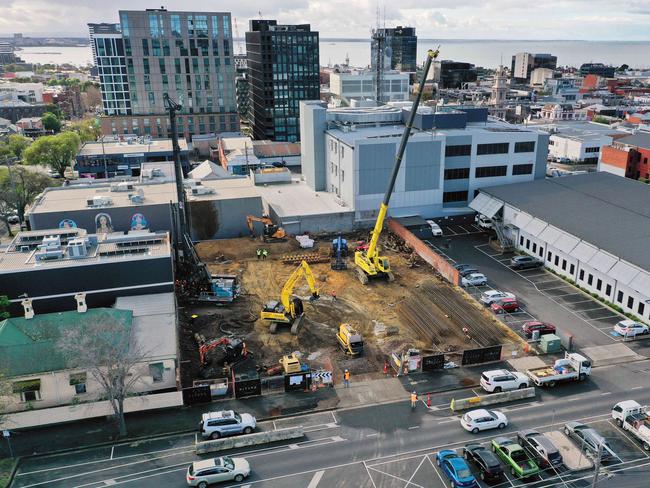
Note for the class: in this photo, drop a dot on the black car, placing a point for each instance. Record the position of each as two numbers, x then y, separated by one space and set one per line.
540 447
525 262
467 271
485 460
461 266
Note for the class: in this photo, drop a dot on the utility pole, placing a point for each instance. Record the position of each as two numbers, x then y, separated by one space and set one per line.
599 454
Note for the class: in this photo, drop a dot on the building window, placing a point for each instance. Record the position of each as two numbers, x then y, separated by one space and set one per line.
590 280
541 251
599 284
454 196
342 175
581 276
528 146
521 240
630 302
564 265
572 269
549 256
490 171
527 243
522 169
497 148
342 151
592 149
534 247
452 151
156 371
608 290
29 390
641 308
619 297
557 260
78 380
457 173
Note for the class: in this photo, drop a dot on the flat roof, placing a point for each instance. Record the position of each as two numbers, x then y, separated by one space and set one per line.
298 199
605 210
227 189
640 139
578 130
154 145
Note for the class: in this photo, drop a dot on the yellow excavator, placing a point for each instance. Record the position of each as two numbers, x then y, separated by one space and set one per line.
271 231
369 263
289 310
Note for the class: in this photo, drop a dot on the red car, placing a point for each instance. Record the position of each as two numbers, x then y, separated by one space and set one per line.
543 328
505 305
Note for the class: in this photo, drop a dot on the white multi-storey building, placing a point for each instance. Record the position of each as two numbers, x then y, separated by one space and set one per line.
361 85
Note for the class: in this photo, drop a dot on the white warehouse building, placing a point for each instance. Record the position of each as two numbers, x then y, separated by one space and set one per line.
361 85
593 229
450 155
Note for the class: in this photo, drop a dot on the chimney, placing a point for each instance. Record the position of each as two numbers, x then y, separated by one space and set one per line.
29 310
81 302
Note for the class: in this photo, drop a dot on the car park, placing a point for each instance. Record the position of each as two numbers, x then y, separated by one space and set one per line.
515 457
480 419
498 380
488 465
630 328
474 279
505 305
490 296
209 471
540 447
588 438
533 325
455 469
225 423
483 221
435 228
467 271
525 262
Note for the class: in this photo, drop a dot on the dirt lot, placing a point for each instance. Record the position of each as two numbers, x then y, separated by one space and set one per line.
362 306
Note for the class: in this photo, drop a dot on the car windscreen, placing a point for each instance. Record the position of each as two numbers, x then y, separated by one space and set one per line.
228 462
464 473
518 456
238 417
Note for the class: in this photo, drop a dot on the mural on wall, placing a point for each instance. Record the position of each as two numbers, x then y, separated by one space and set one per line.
103 223
67 224
139 222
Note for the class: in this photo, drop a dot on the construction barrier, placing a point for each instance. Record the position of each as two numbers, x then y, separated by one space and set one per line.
249 440
440 264
491 399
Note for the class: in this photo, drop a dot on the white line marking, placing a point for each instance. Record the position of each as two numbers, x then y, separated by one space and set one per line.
316 479
369 475
274 427
416 471
413 427
637 387
112 450
372 435
436 470
447 421
293 446
606 393
396 477
334 417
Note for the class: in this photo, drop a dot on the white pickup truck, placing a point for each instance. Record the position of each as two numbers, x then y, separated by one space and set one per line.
574 367
632 417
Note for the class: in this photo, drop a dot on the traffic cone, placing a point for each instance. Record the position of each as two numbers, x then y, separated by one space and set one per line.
428 400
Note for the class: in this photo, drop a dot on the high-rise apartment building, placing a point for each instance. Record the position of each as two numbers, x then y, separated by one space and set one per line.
283 69
394 48
524 63
149 53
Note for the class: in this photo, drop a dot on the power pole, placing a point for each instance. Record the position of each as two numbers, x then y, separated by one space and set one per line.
599 454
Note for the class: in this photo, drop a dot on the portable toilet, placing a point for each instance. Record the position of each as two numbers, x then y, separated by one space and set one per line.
550 343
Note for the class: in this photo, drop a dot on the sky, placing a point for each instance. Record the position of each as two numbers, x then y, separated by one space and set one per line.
438 19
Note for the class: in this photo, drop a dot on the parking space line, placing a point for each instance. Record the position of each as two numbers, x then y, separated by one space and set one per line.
435 468
396 477
369 475
409 482
334 417
316 479
622 431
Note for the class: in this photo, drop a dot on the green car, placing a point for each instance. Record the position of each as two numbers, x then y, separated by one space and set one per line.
514 456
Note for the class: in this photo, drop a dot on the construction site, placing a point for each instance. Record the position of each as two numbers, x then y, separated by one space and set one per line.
417 310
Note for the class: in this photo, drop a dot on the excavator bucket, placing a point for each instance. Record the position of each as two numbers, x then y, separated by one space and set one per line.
295 327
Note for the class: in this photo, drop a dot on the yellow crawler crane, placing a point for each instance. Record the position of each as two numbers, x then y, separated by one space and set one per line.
289 310
369 263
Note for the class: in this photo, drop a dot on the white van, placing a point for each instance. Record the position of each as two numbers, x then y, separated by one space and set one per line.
483 222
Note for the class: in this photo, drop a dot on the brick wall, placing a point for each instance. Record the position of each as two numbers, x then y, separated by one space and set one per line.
615 157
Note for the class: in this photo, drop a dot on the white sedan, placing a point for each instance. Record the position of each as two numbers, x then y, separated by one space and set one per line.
435 228
474 279
490 296
480 419
630 328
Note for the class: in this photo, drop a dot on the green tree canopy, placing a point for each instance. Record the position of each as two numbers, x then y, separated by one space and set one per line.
87 129
54 151
54 109
17 144
19 185
51 122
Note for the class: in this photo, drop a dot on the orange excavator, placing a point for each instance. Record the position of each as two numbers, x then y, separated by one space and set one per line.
271 231
233 350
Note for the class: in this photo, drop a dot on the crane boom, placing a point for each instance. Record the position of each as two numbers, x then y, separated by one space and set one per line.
370 262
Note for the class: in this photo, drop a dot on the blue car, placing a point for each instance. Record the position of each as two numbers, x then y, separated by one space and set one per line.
455 468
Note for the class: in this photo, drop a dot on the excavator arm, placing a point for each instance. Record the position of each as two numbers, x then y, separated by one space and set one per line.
208 346
287 289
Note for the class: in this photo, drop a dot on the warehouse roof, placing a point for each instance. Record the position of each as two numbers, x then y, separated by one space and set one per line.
605 210
640 139
130 146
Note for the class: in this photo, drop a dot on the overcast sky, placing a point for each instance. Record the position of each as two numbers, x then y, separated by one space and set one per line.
453 19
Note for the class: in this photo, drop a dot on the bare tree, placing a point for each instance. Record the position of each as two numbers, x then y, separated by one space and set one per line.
107 350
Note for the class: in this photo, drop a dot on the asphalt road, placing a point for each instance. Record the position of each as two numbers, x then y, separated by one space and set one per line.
378 446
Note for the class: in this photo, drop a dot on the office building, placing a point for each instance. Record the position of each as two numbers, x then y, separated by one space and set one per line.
524 63
597 69
149 53
361 85
452 74
578 141
394 48
350 152
7 54
242 86
283 69
560 220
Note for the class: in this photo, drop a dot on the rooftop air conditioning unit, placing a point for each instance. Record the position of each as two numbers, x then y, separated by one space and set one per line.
122 186
202 190
100 201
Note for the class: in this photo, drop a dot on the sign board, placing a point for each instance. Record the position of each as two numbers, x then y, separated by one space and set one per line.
430 363
196 394
123 166
247 387
297 381
6 433
134 155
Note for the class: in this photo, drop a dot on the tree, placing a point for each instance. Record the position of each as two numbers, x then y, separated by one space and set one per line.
88 129
17 144
4 305
107 350
51 122
18 188
54 109
54 151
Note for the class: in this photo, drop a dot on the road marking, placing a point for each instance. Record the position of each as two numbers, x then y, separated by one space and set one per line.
274 427
372 435
396 477
293 446
112 450
447 421
606 393
110 482
637 387
334 417
413 427
436 470
416 471
622 431
316 479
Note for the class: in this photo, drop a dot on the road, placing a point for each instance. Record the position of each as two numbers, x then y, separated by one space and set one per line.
377 446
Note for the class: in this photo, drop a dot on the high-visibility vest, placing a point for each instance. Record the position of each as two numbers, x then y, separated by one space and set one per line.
259 252
414 397
347 375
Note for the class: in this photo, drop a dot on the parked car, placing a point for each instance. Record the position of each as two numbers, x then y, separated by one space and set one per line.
435 228
630 328
467 271
515 457
461 266
481 419
474 279
483 222
525 262
226 422
543 327
490 296
489 467
208 471
505 305
540 447
588 438
498 380
455 468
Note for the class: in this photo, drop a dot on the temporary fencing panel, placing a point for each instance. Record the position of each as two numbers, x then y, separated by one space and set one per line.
196 394
482 355
297 381
431 363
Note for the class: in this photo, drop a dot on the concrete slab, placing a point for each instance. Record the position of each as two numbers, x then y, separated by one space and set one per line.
596 314
611 354
573 458
575 298
527 362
